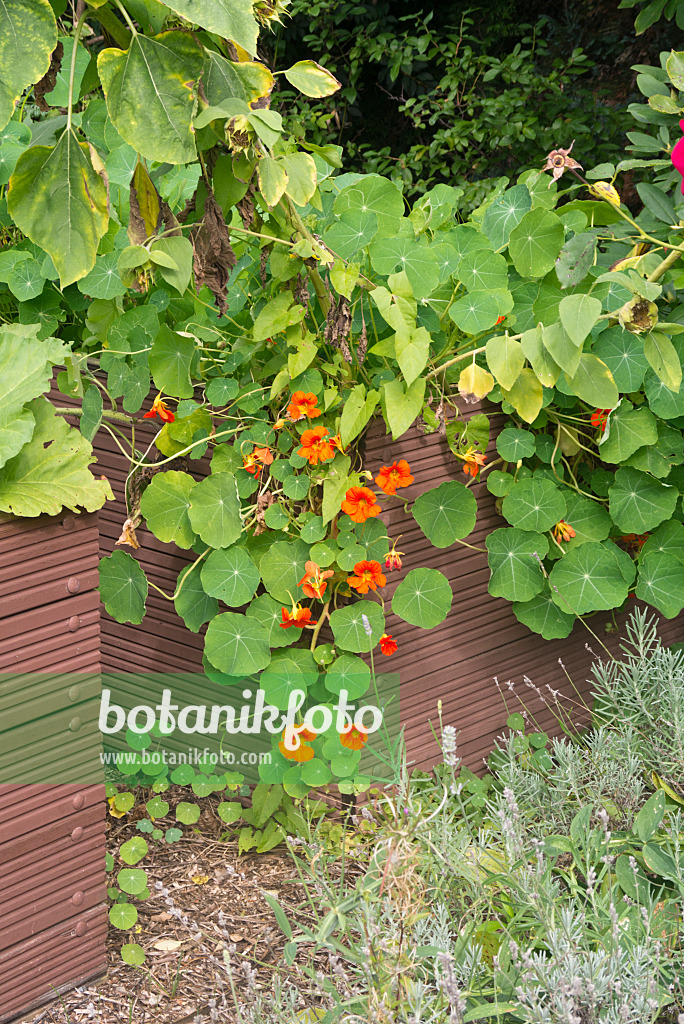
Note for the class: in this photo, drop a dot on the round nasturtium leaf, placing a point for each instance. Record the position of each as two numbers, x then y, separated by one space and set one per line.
193 604
372 196
229 811
348 673
183 775
669 539
479 310
349 630
123 916
483 270
669 405
638 503
534 505
623 354
269 613
157 808
237 644
627 430
349 556
132 880
499 484
446 513
541 615
535 243
282 567
230 575
513 444
589 520
316 772
423 598
513 557
172 835
215 510
587 579
661 583
281 678
187 813
505 213
132 953
165 503
133 850
123 587
221 390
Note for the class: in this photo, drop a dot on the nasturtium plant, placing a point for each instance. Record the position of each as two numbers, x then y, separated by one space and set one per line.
184 257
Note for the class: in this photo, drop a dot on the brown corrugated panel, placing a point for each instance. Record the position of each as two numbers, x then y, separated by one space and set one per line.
52 901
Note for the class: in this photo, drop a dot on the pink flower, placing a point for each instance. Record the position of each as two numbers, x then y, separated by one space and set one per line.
678 155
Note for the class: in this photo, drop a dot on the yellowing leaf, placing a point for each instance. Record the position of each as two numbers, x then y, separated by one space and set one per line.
28 35
475 382
112 808
604 190
312 79
272 180
200 879
526 395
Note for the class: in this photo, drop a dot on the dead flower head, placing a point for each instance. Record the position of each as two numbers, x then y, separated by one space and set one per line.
559 161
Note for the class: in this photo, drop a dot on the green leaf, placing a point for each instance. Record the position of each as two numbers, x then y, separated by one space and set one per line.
92 412
627 430
513 444
593 383
272 180
535 243
483 270
505 358
446 513
661 583
301 177
479 310
575 259
50 472
169 361
132 880
237 644
346 237
656 200
180 251
132 953
150 91
123 587
282 567
193 604
505 213
312 79
526 395
588 518
122 915
578 315
228 19
133 850
561 349
588 579
542 616
231 576
187 813
103 281
25 372
26 280
335 485
357 410
513 557
499 484
348 626
535 504
348 673
215 510
372 196
221 390
402 404
229 811
674 65
423 598
623 354
647 821
165 503
412 351
638 503
28 35
58 200
667 539
275 316
417 261
283 676
663 358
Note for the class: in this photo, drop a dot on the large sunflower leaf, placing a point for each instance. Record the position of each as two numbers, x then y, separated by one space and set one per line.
229 19
28 35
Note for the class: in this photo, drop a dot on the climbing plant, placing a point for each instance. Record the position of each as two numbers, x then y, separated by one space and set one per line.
162 232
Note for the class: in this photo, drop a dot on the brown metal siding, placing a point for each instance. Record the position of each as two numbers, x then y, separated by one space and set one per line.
52 900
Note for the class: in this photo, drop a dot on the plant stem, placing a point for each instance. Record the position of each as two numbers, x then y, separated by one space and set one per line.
669 260
127 18
72 70
456 359
317 627
122 417
316 279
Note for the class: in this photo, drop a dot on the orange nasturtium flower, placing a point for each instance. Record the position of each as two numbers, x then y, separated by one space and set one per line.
303 404
299 616
354 737
563 531
396 475
360 504
599 418
472 461
258 457
387 644
500 321
368 576
298 750
316 446
160 409
313 582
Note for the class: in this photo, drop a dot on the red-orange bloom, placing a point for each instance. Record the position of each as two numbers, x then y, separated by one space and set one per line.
360 504
563 531
354 737
599 418
303 404
313 582
368 576
634 541
472 461
160 409
387 644
297 617
302 751
396 475
393 560
500 321
316 446
257 458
